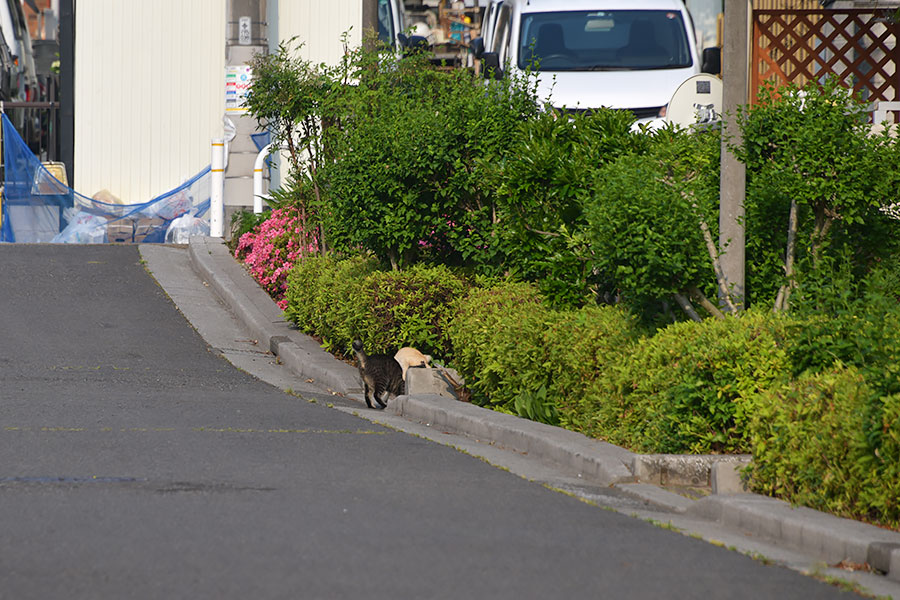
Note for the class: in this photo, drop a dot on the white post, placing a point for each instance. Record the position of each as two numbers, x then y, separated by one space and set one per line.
217 189
258 179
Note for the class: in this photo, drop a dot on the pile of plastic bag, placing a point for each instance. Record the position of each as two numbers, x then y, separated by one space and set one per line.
37 207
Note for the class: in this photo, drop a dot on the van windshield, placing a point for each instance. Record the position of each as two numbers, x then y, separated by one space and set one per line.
612 40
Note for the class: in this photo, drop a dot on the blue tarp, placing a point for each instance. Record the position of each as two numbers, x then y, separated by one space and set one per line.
37 207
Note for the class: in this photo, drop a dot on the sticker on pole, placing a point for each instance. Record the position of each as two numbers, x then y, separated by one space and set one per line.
238 79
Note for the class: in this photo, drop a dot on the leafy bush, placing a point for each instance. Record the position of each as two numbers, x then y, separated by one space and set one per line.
405 308
813 147
810 445
542 183
343 300
523 357
646 221
474 332
880 468
856 322
579 346
319 296
410 143
685 390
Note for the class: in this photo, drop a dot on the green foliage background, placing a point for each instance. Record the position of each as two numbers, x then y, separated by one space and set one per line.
541 254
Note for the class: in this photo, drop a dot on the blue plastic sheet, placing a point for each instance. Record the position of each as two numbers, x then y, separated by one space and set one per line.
37 207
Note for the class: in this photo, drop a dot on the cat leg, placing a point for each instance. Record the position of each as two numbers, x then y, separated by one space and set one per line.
366 391
377 395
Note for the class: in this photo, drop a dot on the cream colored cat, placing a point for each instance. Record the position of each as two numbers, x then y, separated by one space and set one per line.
410 357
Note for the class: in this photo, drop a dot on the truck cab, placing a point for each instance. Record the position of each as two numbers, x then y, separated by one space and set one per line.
391 22
584 54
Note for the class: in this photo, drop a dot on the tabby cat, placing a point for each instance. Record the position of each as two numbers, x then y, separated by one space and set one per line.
380 373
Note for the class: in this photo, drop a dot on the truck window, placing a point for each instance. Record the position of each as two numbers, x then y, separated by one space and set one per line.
604 40
386 33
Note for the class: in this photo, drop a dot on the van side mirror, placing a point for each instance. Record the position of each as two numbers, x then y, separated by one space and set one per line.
712 61
492 65
477 47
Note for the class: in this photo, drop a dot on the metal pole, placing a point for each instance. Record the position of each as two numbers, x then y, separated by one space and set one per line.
732 190
217 189
258 168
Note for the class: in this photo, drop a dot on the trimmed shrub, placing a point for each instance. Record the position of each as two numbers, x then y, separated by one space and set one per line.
812 445
342 300
525 358
685 389
472 334
880 468
856 323
405 308
579 346
318 298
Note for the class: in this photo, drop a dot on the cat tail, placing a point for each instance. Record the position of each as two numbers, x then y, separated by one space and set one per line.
360 353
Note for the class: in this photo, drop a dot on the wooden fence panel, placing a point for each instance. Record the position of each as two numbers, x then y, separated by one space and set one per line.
798 46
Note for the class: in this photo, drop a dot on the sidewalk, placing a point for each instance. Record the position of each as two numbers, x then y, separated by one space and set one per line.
829 538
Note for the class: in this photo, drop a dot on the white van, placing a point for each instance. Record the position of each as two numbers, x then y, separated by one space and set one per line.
590 53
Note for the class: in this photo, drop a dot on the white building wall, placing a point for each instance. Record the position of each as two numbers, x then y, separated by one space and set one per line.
149 93
319 24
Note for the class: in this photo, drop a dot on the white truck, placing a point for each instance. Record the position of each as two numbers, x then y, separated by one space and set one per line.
585 54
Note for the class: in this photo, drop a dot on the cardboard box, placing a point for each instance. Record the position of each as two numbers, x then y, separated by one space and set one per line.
120 231
156 228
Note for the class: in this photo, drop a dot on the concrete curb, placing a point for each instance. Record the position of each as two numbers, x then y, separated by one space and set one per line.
213 262
831 538
595 461
820 534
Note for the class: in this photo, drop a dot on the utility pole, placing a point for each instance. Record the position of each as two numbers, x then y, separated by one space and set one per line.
369 23
732 187
246 36
67 87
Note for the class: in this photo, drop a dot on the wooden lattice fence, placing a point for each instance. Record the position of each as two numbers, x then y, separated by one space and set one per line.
858 46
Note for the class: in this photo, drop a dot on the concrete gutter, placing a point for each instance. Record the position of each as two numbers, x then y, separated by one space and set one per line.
819 534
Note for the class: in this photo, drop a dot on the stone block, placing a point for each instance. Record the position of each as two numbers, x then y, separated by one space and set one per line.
431 381
725 477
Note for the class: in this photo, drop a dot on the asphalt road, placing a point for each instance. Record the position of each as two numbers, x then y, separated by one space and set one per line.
137 463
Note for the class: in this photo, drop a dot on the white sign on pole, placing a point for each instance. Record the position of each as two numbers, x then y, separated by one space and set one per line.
245 37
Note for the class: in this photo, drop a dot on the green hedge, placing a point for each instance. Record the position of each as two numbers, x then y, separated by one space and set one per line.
342 300
827 441
318 297
686 388
822 435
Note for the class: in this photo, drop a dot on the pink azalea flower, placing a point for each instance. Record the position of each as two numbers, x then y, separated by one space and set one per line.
271 249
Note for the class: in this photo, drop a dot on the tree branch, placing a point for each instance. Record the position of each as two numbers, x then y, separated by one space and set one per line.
708 306
686 306
781 302
710 246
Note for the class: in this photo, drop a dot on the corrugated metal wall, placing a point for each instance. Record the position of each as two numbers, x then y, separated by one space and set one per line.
319 24
149 93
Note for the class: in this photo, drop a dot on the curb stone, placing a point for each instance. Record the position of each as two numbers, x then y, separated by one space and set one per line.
596 461
212 261
831 538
